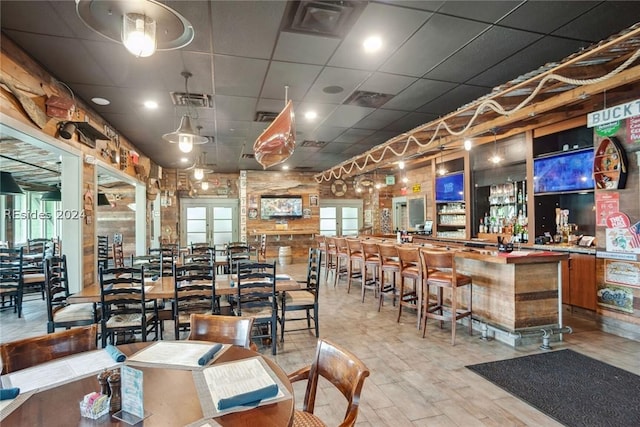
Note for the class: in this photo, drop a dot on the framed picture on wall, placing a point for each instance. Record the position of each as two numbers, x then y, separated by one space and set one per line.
313 200
253 201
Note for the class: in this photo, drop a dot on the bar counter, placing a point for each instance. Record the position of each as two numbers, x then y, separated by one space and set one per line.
513 293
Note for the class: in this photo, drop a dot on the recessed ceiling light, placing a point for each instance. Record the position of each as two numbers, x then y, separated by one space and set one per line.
333 89
310 115
152 105
100 101
285 167
372 44
184 159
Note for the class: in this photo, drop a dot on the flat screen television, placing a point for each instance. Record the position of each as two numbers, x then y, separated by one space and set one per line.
450 188
564 172
280 207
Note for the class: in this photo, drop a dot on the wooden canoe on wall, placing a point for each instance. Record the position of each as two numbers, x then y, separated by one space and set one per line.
277 142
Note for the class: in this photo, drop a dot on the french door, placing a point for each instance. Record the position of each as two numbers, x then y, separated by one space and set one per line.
212 221
340 217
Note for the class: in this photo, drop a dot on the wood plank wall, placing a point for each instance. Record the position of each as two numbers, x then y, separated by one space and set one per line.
16 65
118 219
277 183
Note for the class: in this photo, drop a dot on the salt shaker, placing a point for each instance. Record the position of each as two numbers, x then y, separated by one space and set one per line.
114 384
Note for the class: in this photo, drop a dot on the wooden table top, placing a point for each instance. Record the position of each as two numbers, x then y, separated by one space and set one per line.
169 395
163 289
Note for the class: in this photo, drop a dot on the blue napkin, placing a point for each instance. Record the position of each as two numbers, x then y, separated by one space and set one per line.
206 358
116 354
251 398
9 393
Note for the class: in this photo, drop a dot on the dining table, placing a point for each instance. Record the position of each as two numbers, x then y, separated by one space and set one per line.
163 288
170 398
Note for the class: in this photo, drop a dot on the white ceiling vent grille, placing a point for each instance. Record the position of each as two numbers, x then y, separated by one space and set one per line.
195 100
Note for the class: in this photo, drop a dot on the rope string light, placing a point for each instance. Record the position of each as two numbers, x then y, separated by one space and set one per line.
490 104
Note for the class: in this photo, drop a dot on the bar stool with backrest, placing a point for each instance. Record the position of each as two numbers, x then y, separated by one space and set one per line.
372 260
390 263
332 258
442 274
410 268
355 255
342 258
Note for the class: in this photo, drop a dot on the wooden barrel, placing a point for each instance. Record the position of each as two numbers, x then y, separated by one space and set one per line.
284 255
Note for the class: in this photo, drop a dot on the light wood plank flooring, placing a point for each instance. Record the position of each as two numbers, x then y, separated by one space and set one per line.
414 381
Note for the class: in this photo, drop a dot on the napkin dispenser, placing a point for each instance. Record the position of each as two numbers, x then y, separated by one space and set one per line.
503 246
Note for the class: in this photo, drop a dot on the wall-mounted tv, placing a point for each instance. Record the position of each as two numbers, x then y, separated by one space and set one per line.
563 172
280 207
450 188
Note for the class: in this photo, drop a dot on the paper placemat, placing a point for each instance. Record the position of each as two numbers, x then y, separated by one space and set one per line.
224 375
174 355
59 371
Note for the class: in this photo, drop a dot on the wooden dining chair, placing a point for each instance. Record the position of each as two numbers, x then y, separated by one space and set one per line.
11 279
304 299
61 314
194 291
118 254
233 330
103 251
125 307
342 369
27 352
256 297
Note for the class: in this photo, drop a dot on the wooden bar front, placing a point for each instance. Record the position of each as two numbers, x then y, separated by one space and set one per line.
513 291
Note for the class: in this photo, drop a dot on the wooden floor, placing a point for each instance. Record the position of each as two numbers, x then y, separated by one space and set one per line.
414 381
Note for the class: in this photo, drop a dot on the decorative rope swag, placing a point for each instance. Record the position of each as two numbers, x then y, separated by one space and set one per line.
489 104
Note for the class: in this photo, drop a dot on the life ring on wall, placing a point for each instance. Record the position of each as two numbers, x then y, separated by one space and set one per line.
339 188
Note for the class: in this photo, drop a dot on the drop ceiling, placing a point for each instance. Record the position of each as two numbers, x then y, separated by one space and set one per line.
435 57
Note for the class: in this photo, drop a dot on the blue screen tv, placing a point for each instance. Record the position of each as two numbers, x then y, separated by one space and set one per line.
450 188
565 172
280 207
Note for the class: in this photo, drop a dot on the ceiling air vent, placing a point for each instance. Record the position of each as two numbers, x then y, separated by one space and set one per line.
248 156
363 98
313 144
327 18
265 116
196 100
302 168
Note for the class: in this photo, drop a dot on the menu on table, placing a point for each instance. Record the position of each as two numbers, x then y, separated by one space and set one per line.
222 383
175 353
59 371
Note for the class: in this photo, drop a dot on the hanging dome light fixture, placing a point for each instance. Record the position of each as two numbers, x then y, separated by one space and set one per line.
185 136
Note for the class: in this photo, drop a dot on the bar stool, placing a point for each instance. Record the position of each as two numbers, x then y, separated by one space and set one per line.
390 263
410 268
331 263
442 274
342 254
372 259
354 250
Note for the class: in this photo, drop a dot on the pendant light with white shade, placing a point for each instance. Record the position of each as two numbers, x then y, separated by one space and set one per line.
185 136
